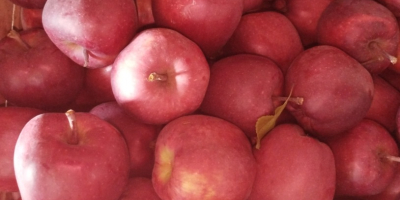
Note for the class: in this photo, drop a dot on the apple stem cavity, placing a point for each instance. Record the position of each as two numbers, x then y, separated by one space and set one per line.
296 100
157 77
73 137
85 58
374 46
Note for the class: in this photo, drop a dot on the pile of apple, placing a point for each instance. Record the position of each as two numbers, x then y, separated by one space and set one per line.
201 100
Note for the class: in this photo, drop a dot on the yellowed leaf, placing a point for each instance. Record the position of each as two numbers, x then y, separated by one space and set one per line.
266 123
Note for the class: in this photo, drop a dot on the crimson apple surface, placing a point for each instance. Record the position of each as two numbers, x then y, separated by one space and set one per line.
70 156
159 76
203 157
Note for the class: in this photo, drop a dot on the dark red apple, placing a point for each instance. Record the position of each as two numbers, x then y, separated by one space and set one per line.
242 89
13 119
384 105
160 76
70 156
337 90
34 73
91 33
140 138
140 188
363 159
31 18
203 157
209 23
269 34
364 29
293 165
304 14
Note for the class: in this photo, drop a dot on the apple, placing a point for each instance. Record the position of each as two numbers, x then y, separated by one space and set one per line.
13 119
35 73
203 157
336 89
91 33
33 4
159 76
70 156
31 18
140 138
209 23
269 34
385 102
363 159
304 14
243 88
140 188
293 165
366 30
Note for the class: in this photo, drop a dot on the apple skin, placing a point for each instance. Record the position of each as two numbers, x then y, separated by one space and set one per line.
203 157
82 25
166 53
209 23
267 33
31 18
39 76
361 166
293 165
392 5
331 105
392 191
13 119
139 188
243 102
304 14
384 105
140 138
33 4
356 26
48 166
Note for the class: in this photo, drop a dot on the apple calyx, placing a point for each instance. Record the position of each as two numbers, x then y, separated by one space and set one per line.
73 136
157 77
383 55
297 100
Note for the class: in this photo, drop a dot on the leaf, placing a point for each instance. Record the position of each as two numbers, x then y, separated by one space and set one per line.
266 123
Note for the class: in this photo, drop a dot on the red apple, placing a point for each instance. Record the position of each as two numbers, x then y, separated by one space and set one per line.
91 33
31 18
337 91
269 34
203 157
242 89
160 76
209 23
140 188
385 102
70 156
140 138
363 159
292 165
13 119
365 29
304 14
34 73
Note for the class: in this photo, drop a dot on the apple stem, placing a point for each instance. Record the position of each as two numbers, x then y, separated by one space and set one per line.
6 103
157 77
73 137
13 17
384 55
85 58
296 100
393 158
